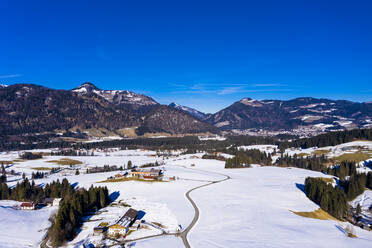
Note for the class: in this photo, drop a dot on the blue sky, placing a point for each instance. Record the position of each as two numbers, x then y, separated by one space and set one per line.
203 54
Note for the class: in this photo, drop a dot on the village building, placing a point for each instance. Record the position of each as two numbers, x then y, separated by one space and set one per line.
147 174
52 201
99 230
116 229
118 176
28 205
48 201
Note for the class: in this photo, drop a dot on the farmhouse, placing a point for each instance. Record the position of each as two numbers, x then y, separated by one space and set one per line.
99 230
116 229
28 205
147 174
52 201
122 226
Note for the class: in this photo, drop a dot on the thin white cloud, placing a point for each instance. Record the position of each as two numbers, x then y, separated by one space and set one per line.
230 90
266 85
10 76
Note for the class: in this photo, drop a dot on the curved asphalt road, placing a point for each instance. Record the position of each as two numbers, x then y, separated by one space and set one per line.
183 234
186 231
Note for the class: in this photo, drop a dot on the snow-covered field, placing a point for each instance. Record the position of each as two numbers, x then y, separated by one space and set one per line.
252 209
333 151
22 228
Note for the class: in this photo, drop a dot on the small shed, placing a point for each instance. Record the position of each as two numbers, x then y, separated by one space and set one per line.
28 205
99 230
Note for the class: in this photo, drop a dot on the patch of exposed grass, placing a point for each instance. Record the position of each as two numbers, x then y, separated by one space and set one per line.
65 161
18 160
158 224
349 231
327 179
319 214
356 157
320 152
42 168
302 154
125 179
103 224
6 162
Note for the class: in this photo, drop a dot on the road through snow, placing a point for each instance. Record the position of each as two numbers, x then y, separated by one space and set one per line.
185 232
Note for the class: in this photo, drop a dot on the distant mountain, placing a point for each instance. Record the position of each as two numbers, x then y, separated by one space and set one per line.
191 111
299 113
165 119
28 108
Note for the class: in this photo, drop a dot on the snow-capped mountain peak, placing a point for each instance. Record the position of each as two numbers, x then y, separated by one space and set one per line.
115 96
191 111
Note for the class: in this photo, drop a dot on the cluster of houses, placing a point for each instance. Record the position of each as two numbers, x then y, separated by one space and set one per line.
150 174
129 221
35 205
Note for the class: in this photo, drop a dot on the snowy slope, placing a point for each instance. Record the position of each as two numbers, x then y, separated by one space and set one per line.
22 228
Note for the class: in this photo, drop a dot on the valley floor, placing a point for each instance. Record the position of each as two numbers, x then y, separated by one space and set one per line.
252 209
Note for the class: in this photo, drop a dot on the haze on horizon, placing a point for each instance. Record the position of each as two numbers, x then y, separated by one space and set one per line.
202 55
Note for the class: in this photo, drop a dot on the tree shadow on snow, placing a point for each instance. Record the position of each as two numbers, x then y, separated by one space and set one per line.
368 164
301 187
74 184
114 195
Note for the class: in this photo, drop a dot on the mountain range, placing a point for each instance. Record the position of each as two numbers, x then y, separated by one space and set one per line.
28 108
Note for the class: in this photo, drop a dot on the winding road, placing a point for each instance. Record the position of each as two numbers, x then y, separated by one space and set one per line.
183 234
186 231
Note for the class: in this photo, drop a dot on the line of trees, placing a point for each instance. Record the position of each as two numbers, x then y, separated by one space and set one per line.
342 170
315 163
30 155
37 175
29 191
244 158
74 206
213 156
330 139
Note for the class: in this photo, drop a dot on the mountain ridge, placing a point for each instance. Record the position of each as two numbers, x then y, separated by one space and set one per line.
29 108
35 108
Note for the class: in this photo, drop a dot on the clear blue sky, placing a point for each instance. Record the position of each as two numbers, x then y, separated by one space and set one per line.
203 54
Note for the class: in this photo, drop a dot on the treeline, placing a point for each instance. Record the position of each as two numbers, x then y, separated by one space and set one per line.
38 175
244 158
28 191
72 208
105 168
344 169
352 182
194 144
30 155
150 165
330 199
213 156
330 139
315 163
